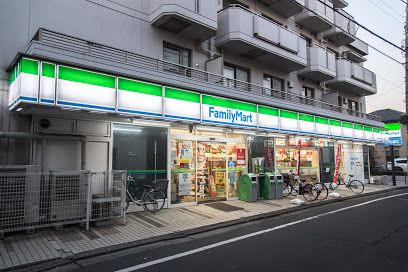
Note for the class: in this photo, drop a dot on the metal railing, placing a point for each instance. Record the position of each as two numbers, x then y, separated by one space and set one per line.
81 46
32 200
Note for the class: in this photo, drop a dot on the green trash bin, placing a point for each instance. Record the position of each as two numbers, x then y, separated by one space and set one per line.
279 185
267 184
248 188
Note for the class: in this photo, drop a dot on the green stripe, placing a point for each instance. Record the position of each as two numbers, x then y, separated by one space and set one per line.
347 125
335 123
146 171
268 111
182 95
367 128
139 87
29 66
226 103
393 126
358 126
12 75
81 76
48 70
377 130
288 114
306 117
322 120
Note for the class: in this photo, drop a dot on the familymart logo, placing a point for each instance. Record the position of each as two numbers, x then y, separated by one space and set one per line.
233 116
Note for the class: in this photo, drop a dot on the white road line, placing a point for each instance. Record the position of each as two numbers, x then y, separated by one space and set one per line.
190 252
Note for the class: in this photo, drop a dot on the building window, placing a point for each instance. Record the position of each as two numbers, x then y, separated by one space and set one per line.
226 3
308 94
176 55
232 72
273 86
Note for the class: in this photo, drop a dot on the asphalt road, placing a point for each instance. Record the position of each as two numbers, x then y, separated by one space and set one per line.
369 237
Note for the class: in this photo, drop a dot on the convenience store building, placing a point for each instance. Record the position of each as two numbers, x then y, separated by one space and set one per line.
200 142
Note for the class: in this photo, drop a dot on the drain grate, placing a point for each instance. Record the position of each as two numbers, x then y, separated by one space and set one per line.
223 207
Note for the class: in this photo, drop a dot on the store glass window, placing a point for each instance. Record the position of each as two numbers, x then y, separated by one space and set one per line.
183 171
142 151
261 154
236 166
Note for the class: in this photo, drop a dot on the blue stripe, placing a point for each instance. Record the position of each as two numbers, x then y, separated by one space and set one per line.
85 105
181 117
321 134
140 112
309 133
44 100
269 128
27 98
225 123
288 130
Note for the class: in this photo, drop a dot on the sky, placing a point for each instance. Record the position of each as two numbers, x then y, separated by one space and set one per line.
386 18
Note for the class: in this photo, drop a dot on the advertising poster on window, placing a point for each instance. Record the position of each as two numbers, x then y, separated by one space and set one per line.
186 153
240 156
184 183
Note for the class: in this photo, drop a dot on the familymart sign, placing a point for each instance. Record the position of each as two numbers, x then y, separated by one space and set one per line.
37 82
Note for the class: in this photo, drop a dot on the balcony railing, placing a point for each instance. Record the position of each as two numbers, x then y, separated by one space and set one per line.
81 46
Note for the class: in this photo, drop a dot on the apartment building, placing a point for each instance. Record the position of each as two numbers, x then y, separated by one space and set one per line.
195 91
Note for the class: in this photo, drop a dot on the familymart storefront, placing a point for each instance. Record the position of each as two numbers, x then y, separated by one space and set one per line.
201 143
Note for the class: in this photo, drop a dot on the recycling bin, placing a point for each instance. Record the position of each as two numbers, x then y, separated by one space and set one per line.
248 188
267 184
279 185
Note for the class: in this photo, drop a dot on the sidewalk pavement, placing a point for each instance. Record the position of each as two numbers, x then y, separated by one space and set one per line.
20 250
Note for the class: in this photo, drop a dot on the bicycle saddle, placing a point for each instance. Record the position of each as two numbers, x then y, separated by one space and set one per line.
351 176
147 186
302 179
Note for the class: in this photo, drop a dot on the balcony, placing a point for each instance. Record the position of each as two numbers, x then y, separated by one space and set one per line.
339 4
358 49
353 78
320 19
250 35
321 64
286 8
188 18
345 30
70 50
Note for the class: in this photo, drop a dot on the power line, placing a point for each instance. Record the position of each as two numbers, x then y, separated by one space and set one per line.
386 12
365 28
385 3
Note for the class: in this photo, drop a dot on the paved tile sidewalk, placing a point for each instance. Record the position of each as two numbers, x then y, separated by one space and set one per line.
48 244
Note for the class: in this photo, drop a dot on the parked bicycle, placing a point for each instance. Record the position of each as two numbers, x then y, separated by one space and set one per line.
152 200
354 185
298 186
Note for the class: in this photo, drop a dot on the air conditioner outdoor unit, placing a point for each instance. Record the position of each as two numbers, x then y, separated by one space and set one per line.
68 197
20 188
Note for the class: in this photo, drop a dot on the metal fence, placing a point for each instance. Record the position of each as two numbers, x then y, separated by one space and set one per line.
77 45
31 200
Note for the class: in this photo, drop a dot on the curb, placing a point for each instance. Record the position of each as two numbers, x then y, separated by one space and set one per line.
52 263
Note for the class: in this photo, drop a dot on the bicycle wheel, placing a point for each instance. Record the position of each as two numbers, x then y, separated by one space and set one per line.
322 191
356 186
309 192
287 189
153 201
129 199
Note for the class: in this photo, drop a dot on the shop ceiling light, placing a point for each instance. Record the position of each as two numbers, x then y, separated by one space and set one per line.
276 135
19 109
210 129
152 123
244 132
137 130
343 142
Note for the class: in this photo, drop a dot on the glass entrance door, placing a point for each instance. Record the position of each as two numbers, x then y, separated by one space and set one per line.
211 171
